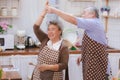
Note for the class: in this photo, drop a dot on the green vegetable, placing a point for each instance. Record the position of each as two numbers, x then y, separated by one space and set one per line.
73 48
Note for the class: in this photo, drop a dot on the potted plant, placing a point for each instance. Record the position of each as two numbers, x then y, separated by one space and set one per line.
1 71
4 27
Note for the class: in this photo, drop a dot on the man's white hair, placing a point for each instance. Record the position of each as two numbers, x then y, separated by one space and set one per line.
93 10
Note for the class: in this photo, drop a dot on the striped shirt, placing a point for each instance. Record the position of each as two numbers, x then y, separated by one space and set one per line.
93 28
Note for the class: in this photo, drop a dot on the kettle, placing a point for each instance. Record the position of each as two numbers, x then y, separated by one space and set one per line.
29 42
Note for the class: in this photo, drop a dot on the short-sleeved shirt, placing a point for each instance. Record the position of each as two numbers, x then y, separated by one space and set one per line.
93 28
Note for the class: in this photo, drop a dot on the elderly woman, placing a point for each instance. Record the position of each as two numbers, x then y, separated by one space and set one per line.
53 55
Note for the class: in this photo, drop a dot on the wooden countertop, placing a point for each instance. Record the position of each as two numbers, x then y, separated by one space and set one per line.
35 51
28 51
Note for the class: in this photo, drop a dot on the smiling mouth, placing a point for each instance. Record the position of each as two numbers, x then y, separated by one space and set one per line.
51 35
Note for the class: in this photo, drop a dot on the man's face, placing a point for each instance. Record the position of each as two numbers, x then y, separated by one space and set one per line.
87 14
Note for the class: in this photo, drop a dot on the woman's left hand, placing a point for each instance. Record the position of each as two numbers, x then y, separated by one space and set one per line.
43 67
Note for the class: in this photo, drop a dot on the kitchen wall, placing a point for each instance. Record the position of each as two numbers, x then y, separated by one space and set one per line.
27 14
30 9
113 33
114 25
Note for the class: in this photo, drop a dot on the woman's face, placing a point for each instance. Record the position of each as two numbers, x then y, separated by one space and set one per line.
53 32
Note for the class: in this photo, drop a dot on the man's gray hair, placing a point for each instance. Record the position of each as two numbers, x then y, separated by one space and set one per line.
94 9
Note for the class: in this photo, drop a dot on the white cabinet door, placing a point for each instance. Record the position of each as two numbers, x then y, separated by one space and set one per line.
75 71
20 62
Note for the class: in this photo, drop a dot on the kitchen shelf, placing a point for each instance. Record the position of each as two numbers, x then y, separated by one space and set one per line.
118 17
8 16
110 16
82 0
11 8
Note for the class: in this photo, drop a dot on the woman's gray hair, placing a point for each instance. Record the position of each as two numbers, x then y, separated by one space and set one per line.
57 23
93 9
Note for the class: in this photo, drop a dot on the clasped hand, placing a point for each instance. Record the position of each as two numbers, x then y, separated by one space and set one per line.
43 67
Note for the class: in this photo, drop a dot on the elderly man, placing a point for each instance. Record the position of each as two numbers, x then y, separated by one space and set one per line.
94 43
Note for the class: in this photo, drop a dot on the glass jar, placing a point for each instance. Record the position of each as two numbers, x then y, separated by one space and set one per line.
118 12
14 11
4 11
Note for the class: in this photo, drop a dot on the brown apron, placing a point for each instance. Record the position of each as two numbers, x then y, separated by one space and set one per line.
94 59
47 56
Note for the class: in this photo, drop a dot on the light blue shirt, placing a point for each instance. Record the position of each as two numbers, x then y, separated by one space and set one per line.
93 28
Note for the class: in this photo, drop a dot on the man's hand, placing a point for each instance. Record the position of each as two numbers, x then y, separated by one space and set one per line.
78 60
50 9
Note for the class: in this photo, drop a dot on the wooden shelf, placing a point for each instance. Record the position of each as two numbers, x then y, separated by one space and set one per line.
118 17
8 16
82 0
10 5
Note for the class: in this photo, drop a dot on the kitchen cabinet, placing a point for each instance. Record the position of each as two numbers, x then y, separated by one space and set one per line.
9 8
75 71
20 59
10 73
21 62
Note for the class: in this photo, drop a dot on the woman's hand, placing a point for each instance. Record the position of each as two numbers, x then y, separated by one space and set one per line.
43 67
78 60
66 16
42 15
45 10
48 8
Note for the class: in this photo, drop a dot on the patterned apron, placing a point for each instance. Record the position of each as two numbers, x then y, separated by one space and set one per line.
94 59
47 56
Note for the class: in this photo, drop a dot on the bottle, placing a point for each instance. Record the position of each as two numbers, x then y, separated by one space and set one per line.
77 43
